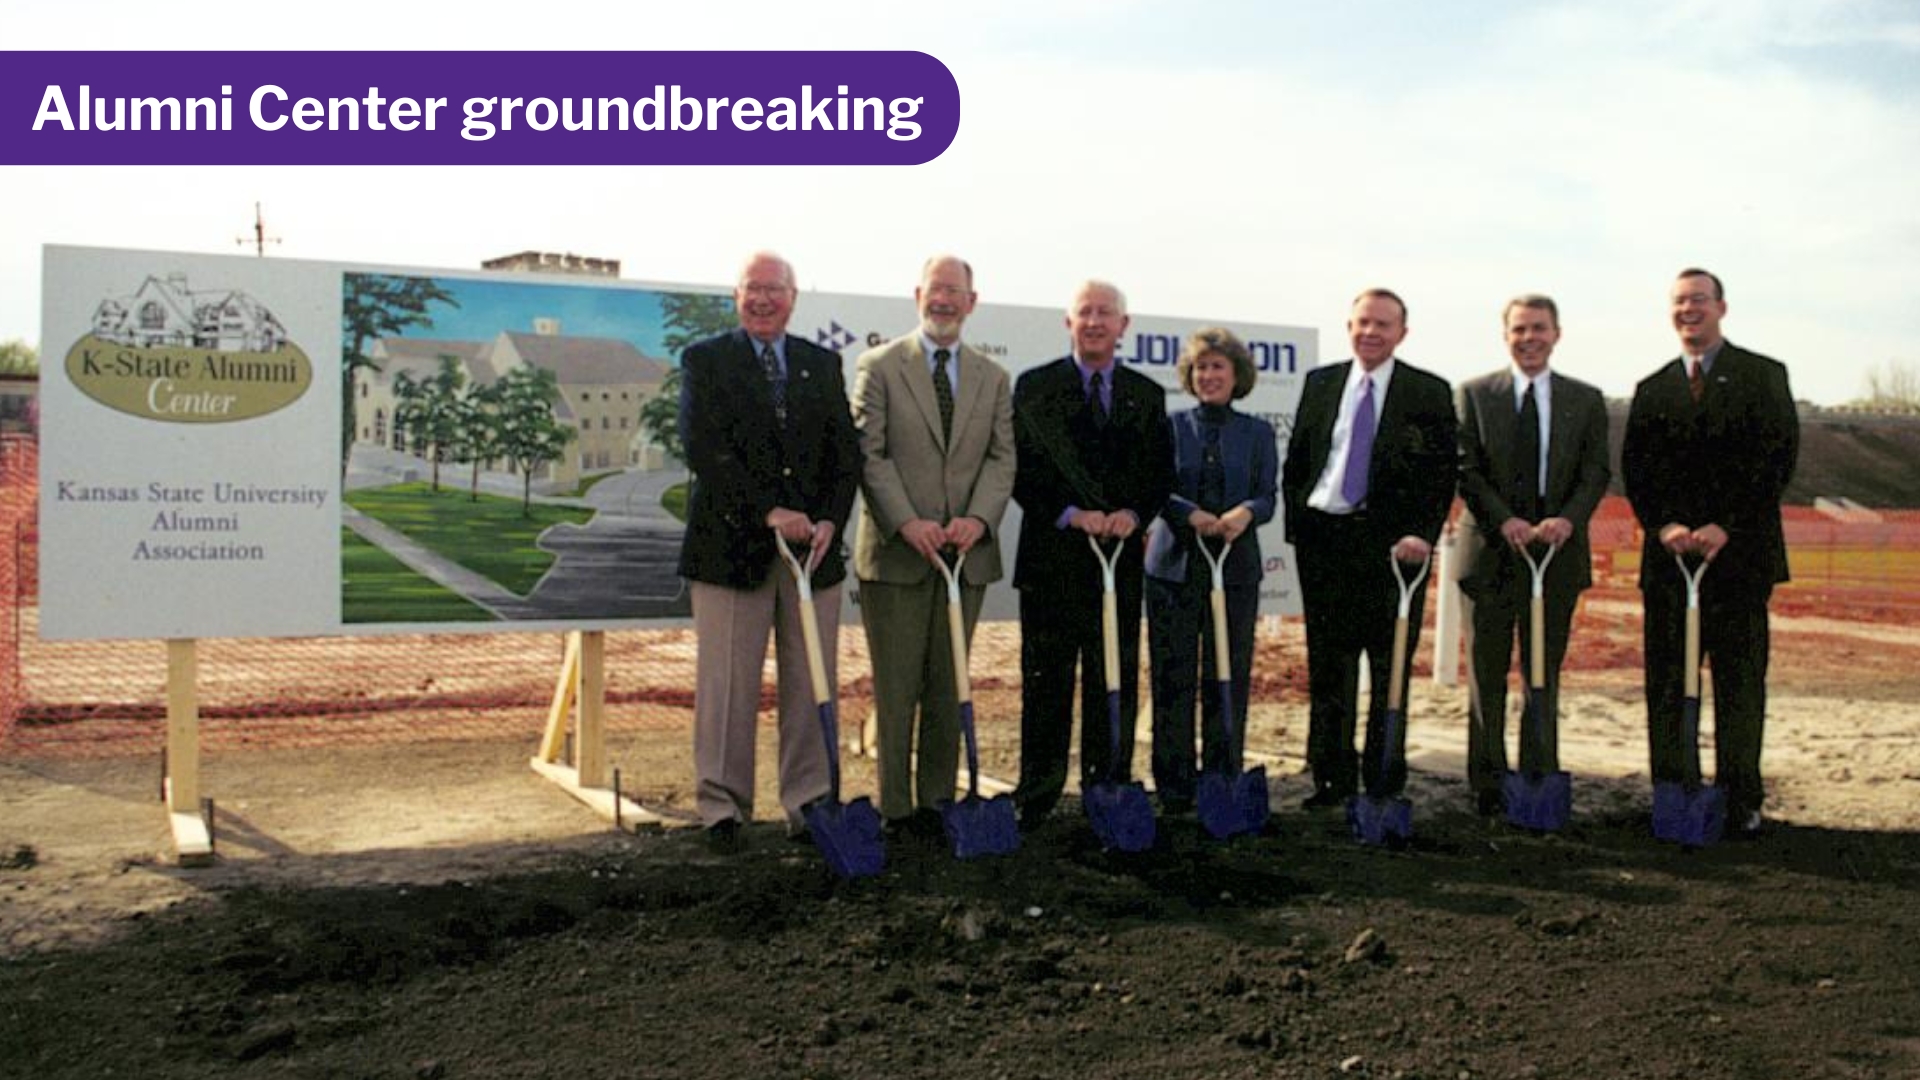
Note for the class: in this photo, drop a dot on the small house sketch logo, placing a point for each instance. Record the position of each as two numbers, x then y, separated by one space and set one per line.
164 313
170 353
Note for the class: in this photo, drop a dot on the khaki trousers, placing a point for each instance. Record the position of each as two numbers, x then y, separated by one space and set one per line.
732 626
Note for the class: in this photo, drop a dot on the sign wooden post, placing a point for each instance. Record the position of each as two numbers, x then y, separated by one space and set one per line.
192 842
582 685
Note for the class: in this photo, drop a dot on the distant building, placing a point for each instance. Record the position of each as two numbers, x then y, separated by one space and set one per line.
550 262
19 403
163 312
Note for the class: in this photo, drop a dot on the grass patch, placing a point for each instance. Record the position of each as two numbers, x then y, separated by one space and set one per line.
674 500
489 537
375 587
586 484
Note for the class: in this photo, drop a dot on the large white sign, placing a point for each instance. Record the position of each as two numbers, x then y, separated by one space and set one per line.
243 447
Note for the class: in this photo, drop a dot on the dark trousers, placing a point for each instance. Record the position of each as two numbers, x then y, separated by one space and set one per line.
1348 590
1060 637
1734 636
1180 640
1499 616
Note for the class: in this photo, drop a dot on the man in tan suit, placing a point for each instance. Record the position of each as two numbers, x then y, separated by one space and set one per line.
936 426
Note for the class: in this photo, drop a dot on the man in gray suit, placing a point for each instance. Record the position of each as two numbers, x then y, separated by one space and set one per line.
1533 466
935 418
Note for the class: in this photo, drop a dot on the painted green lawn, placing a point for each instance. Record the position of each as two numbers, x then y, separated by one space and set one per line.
489 537
674 500
375 587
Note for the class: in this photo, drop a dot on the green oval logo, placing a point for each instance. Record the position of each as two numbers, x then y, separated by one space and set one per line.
182 384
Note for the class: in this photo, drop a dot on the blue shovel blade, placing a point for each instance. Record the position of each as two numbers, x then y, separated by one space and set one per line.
978 826
1379 821
1541 802
1692 816
848 836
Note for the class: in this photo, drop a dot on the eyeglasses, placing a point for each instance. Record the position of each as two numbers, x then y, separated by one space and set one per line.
764 291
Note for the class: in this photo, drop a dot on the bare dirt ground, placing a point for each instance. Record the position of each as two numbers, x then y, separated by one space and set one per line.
436 910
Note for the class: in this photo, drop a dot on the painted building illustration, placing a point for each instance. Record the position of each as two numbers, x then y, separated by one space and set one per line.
163 312
603 383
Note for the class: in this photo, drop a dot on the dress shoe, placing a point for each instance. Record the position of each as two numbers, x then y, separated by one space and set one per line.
1746 826
723 837
1326 799
1489 804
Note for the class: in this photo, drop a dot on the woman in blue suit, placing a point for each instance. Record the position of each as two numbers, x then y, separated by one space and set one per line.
1227 468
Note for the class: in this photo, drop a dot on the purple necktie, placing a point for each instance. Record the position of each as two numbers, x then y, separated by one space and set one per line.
1353 486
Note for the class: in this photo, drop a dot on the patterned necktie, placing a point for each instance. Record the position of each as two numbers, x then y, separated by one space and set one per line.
1696 380
777 383
943 393
1096 396
1526 457
1353 485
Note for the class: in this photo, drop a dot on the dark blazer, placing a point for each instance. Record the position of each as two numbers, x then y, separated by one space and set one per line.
1250 462
1576 480
1725 461
744 464
1062 461
1410 486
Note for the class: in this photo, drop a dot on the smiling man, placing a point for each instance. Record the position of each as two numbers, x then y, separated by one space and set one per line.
771 444
1712 439
936 426
1369 474
1095 454
1533 466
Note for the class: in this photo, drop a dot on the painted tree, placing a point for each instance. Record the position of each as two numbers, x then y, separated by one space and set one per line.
530 436
428 411
690 317
476 432
375 306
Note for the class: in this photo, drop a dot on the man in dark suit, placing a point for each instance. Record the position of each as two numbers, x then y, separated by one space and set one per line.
935 417
1533 466
772 447
1095 458
1369 473
1712 439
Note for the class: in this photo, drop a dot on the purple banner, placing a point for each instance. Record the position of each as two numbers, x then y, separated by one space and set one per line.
475 108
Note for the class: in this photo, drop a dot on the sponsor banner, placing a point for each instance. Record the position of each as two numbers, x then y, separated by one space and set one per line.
476 108
243 447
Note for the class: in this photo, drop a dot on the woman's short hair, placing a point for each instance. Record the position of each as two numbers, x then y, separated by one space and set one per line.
1217 339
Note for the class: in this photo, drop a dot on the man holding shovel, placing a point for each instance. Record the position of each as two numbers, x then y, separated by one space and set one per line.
935 418
775 459
1369 472
1711 441
1533 466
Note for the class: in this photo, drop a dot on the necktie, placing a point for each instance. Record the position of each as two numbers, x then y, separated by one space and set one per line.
1097 398
943 393
1696 381
1526 457
1353 486
770 366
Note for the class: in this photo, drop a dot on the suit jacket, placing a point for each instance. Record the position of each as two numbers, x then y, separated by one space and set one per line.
1250 463
745 464
1411 480
1065 460
1576 479
912 471
1725 461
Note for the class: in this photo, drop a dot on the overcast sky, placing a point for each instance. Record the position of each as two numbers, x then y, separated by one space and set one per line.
1258 161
